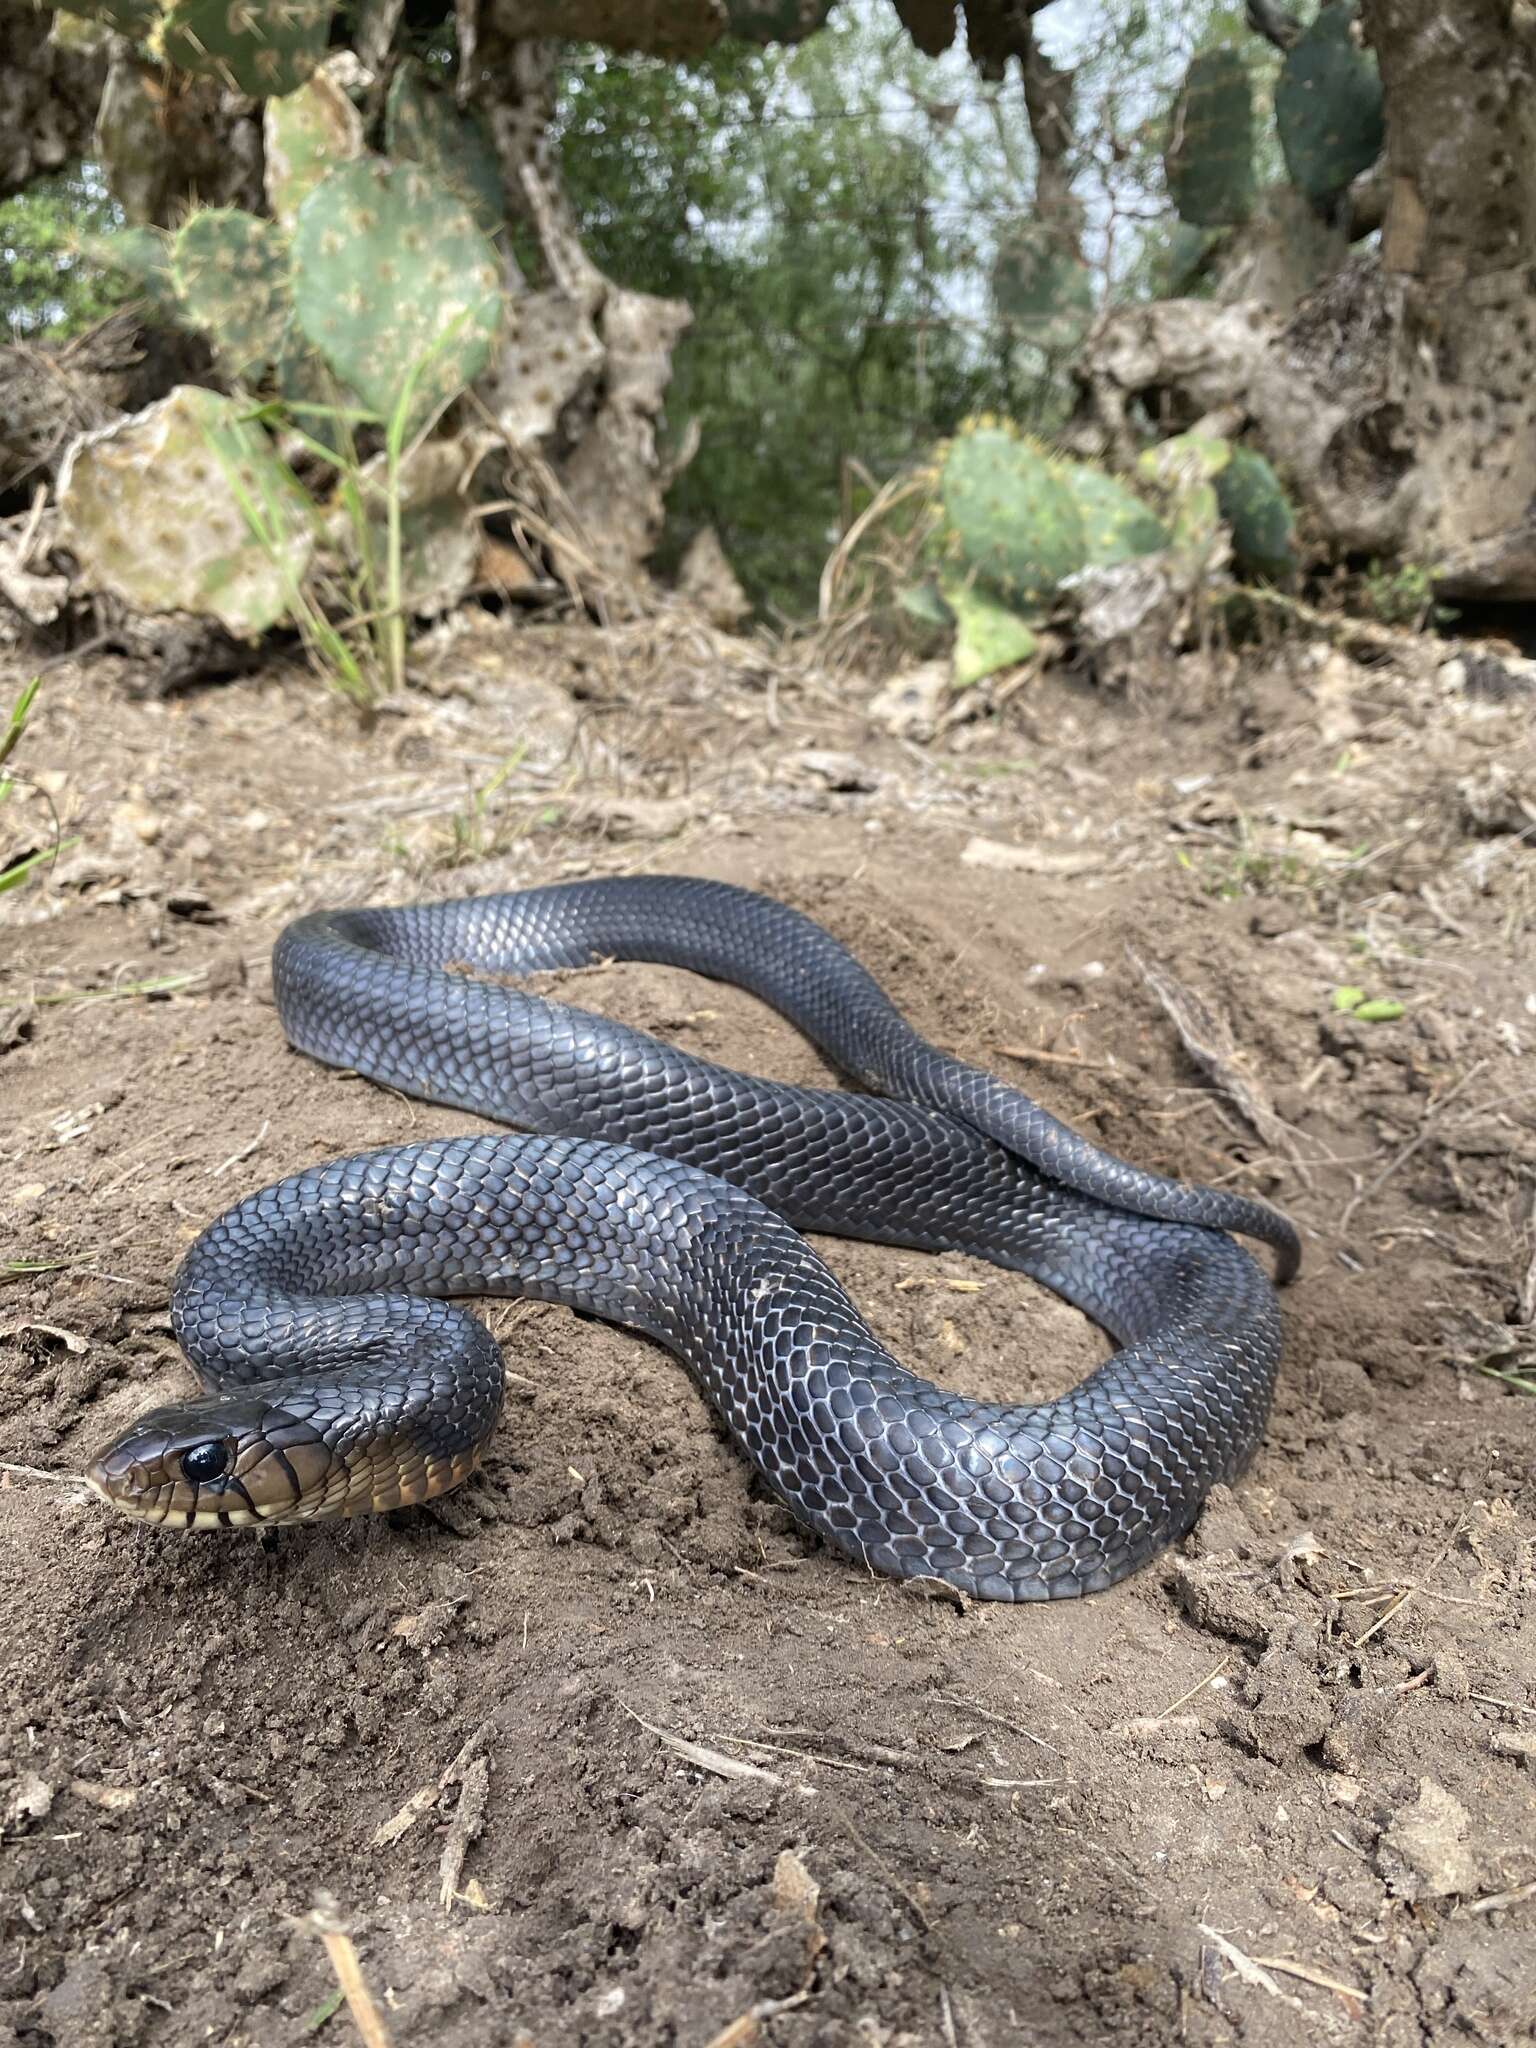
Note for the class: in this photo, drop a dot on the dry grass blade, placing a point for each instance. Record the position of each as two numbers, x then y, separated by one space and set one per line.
1250 1971
704 1759
892 493
1207 1037
1308 1975
339 1948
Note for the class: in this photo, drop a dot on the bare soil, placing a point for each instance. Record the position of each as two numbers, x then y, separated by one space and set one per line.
605 1750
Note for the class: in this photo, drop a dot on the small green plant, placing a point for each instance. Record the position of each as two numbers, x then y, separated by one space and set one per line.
1354 1002
21 870
1403 594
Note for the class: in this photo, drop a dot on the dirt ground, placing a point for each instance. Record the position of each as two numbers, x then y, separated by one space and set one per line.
604 1750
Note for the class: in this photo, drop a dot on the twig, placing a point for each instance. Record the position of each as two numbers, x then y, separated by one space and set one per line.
1310 1976
1401 1158
1001 1721
1057 1059
1245 1966
1184 1697
234 1159
343 1960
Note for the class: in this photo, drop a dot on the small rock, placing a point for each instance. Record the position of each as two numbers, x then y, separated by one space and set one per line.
1515 1742
132 820
1033 860
29 1194
1423 1854
909 705
1342 1791
833 770
31 1798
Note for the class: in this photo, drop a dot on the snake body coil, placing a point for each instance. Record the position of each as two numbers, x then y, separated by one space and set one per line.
340 1384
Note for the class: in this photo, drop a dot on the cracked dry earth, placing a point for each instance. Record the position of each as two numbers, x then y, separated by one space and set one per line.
605 1750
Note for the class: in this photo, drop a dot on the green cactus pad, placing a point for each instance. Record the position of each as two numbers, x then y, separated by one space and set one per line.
1041 289
1182 473
396 287
262 47
231 273
1208 157
1328 107
989 635
422 124
1011 522
156 509
1116 523
307 135
1259 514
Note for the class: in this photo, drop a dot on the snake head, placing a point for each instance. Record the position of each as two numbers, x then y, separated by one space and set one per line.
292 1451
227 1462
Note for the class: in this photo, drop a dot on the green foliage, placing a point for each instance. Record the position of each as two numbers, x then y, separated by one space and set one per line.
49 286
13 873
827 235
1011 521
1044 291
395 286
1209 152
1403 594
231 276
1328 106
1255 507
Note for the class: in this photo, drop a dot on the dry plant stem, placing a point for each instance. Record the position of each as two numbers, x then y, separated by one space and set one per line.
1401 1159
342 1955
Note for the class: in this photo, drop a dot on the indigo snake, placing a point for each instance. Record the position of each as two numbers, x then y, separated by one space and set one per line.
339 1380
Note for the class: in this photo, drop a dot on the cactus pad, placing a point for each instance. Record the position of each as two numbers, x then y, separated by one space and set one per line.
154 509
133 18
989 635
422 124
262 47
396 287
231 273
1259 514
1012 523
1328 107
306 136
1042 289
1116 523
1208 157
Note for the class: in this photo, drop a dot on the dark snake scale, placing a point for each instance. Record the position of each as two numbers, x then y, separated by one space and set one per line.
339 1384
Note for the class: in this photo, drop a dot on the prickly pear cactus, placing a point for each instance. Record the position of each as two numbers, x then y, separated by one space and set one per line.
156 509
989 635
396 287
1208 157
306 136
262 47
1182 473
1043 291
231 274
1259 514
422 124
1328 106
1013 524
1116 523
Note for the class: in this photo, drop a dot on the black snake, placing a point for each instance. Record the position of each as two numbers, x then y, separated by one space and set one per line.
338 1383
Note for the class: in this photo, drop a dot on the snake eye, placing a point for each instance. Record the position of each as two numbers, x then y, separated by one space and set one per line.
204 1462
